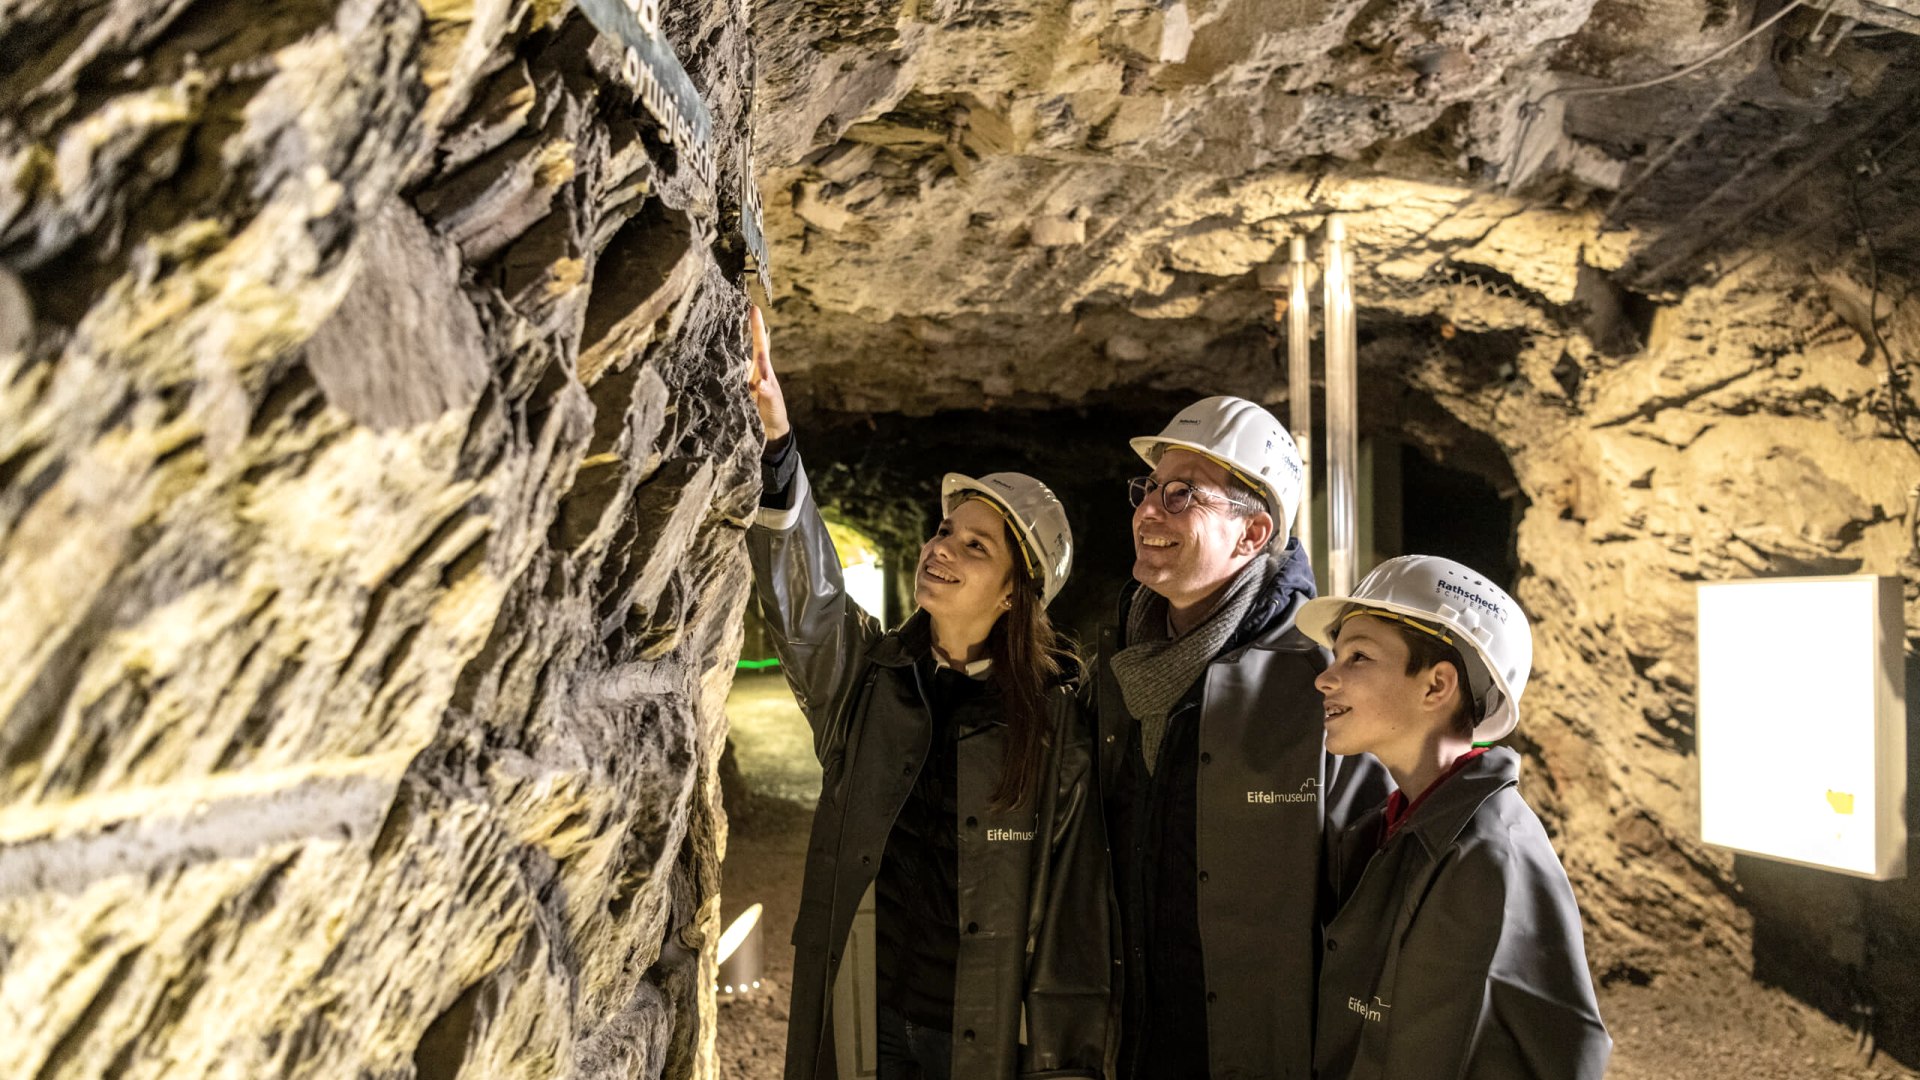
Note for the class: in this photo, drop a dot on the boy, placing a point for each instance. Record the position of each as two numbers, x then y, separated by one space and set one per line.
1456 950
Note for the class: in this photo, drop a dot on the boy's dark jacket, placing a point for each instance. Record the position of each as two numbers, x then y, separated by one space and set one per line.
1457 952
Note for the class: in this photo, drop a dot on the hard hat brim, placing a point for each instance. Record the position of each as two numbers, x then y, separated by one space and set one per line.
1320 617
1151 447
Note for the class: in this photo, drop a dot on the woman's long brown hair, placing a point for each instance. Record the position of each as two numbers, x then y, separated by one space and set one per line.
1029 662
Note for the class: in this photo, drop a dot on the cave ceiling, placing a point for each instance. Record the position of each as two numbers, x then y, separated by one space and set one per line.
1035 204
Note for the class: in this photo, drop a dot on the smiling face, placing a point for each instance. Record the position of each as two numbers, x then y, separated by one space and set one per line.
1373 705
1187 557
965 570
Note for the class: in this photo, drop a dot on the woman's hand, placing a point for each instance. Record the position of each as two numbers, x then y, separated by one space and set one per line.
763 382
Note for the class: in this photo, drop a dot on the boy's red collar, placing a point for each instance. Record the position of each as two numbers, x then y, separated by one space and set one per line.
1400 810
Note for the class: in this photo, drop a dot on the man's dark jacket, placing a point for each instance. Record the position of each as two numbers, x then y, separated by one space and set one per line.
1265 792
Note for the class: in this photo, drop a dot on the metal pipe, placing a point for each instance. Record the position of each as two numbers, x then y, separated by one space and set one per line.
1300 384
1343 443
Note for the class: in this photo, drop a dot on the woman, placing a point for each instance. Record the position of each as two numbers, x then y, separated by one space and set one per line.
1456 949
956 784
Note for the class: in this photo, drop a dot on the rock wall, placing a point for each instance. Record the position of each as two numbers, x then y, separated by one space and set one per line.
1759 419
372 469
1755 435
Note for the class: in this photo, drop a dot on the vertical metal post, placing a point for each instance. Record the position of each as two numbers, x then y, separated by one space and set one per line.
1343 442
1300 384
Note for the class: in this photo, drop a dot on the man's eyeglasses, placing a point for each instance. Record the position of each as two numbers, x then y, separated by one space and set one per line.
1175 495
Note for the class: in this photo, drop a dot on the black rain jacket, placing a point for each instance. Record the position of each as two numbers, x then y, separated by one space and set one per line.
1031 986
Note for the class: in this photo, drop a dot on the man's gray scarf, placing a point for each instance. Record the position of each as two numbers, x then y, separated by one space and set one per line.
1154 670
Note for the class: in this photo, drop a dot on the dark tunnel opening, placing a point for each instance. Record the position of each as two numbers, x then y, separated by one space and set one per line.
1457 514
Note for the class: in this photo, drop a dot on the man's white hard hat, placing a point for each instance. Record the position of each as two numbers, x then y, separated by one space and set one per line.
1243 438
1039 521
1474 615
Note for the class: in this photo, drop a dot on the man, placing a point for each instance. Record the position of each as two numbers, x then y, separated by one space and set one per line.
1214 775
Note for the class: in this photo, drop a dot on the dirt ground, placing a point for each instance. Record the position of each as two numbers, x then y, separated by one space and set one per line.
1676 1027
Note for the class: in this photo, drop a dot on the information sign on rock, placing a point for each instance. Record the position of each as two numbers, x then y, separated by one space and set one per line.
754 234
660 84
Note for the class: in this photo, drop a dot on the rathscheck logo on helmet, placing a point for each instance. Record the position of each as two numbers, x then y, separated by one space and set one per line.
1448 588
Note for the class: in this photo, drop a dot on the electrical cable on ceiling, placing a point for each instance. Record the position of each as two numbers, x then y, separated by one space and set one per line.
1881 154
1530 110
1666 156
1586 91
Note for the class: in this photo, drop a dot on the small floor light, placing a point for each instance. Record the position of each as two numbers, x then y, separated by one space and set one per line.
740 954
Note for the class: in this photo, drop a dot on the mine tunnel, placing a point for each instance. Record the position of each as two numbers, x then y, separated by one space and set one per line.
389 695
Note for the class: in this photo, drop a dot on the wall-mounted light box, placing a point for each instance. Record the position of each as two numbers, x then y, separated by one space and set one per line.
1803 721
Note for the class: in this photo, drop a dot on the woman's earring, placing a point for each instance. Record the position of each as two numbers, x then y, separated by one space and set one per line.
1007 602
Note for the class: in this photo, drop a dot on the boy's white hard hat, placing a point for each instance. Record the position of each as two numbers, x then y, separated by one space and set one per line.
1038 520
1243 438
1477 616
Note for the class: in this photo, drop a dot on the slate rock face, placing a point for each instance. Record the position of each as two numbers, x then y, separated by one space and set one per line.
372 473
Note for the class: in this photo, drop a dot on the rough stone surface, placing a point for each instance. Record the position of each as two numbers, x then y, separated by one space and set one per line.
1748 437
404 347
372 468
934 163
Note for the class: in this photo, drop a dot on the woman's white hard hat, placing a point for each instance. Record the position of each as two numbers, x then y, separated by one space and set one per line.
1039 521
1479 619
1243 438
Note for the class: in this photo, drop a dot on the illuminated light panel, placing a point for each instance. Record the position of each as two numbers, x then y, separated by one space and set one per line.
1802 722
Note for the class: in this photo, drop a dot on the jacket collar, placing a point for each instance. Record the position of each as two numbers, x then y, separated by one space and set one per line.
1273 610
912 641
978 669
901 647
1440 819
1269 622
